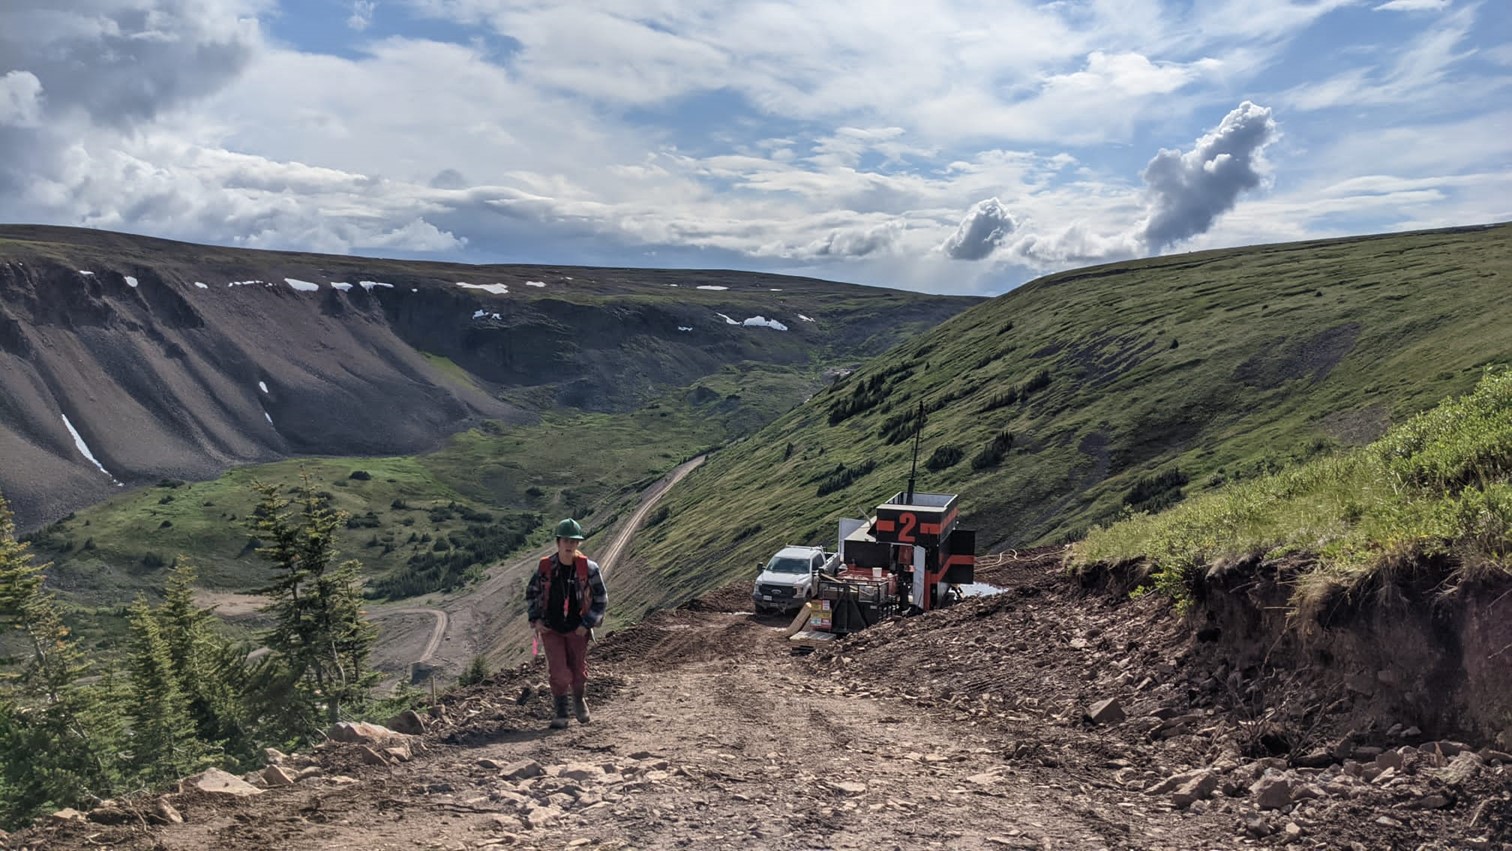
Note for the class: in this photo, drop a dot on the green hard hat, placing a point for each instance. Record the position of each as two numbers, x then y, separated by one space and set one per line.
569 528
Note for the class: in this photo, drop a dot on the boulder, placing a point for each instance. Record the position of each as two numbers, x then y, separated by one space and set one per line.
217 782
109 812
1463 767
274 756
362 733
163 812
1175 781
1272 791
67 814
1106 712
846 787
541 816
524 769
581 771
277 775
1199 788
408 722
372 757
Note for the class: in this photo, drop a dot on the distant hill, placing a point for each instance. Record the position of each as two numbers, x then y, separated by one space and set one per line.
1115 388
125 360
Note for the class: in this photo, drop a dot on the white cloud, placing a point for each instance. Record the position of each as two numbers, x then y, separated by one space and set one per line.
362 14
985 227
1422 70
840 140
1413 6
20 99
1188 190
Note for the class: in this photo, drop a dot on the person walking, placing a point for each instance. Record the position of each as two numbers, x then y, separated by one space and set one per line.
566 599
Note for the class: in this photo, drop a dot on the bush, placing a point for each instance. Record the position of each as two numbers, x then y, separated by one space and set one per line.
475 672
842 476
945 457
361 475
993 453
1153 493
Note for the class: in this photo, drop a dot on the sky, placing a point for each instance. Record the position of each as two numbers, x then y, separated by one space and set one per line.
948 146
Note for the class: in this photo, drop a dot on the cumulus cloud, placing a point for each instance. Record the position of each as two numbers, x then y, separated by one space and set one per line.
20 99
122 61
856 242
983 230
1188 190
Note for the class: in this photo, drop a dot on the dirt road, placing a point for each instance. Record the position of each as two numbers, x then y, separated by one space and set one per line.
487 619
626 532
958 729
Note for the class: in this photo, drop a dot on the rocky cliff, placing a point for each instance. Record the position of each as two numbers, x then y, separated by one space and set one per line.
125 360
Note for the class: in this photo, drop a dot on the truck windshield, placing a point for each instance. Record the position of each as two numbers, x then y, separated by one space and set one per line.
788 565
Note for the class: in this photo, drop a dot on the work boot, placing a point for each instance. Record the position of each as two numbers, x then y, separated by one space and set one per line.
560 720
580 708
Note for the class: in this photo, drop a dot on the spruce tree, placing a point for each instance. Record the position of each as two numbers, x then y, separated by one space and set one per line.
57 742
319 631
163 740
210 671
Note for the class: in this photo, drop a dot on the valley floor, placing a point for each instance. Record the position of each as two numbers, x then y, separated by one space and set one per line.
963 729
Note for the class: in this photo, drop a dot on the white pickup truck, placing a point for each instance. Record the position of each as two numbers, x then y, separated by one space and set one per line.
787 580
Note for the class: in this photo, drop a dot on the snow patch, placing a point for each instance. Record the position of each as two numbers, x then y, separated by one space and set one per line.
535 283
302 286
263 386
245 283
685 328
776 289
202 285
671 285
479 314
368 285
340 285
84 448
728 320
763 322
130 282
710 287
804 318
85 272
496 289
269 417
414 289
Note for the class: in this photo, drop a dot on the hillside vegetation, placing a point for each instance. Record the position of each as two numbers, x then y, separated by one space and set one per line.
1437 487
1121 388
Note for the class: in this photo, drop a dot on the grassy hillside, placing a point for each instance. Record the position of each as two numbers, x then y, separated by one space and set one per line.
1436 486
419 523
1117 388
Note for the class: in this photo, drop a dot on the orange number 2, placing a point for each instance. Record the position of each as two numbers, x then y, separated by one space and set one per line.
907 521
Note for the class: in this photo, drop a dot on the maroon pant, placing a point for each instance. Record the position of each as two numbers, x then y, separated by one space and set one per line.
566 660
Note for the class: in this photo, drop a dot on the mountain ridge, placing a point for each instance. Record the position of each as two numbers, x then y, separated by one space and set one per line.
173 360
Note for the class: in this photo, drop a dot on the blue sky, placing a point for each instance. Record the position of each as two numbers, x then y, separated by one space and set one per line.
939 145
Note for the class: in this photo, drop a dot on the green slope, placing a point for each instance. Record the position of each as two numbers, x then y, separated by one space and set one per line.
1146 381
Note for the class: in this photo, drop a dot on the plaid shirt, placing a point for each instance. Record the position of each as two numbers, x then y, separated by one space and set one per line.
540 587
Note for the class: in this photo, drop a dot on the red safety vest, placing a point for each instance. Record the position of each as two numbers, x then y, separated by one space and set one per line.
585 594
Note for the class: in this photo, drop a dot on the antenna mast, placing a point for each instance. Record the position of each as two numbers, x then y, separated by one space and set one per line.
913 471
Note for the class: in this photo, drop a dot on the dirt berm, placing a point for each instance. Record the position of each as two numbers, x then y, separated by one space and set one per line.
967 728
